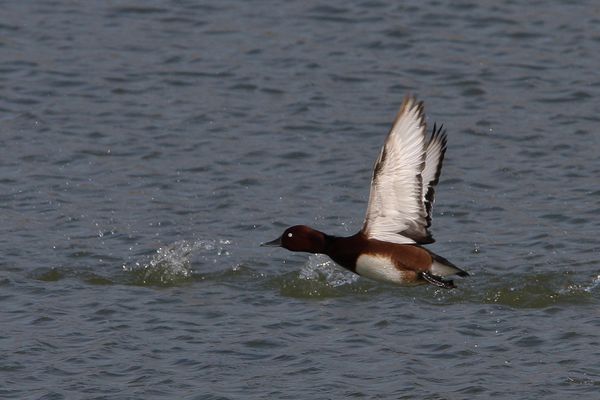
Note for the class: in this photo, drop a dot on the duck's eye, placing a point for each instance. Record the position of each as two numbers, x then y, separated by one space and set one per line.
290 234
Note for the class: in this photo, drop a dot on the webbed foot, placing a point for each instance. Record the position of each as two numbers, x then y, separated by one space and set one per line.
438 281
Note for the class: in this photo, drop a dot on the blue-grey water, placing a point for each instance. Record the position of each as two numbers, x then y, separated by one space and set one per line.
148 147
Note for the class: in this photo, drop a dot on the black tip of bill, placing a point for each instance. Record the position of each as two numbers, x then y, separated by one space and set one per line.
272 243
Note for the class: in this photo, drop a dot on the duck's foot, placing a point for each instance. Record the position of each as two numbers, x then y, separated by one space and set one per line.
437 281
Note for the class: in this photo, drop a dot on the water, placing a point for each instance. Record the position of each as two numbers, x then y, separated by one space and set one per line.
149 147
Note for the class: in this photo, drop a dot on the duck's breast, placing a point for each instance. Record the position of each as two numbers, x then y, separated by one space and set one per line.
381 267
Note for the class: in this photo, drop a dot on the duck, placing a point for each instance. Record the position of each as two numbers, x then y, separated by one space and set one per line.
389 246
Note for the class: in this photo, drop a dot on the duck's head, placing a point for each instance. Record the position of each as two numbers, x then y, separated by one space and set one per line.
300 238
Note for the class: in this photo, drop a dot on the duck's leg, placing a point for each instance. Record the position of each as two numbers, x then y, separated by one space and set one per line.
437 281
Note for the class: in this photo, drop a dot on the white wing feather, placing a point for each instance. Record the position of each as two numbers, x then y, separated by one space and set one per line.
396 212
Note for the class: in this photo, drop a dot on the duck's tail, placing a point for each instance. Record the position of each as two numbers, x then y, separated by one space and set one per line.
441 268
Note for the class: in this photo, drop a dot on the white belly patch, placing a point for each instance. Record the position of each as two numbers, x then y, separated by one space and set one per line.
379 268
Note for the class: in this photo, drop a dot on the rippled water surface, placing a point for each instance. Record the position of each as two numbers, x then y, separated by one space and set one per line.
147 148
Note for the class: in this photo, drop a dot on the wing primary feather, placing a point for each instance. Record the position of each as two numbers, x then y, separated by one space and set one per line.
436 149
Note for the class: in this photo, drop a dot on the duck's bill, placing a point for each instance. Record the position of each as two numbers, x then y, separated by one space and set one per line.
272 243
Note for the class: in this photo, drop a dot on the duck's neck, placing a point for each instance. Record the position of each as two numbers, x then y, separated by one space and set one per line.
328 240
343 250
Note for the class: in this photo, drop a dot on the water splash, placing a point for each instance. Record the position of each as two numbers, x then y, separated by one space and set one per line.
319 278
594 285
320 267
171 264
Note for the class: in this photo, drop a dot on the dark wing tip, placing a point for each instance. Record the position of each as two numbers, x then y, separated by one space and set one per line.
439 133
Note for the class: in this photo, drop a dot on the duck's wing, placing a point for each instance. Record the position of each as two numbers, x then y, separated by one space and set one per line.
434 157
396 211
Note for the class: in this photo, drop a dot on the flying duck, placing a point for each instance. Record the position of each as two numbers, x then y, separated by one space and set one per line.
389 247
